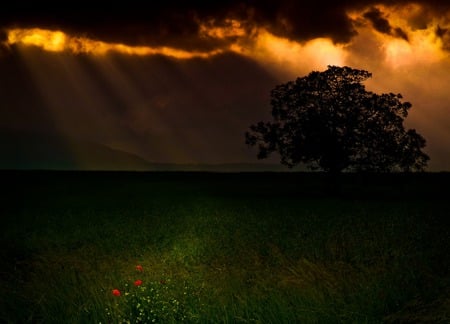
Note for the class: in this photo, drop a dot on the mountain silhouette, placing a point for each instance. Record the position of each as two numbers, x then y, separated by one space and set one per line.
47 151
28 150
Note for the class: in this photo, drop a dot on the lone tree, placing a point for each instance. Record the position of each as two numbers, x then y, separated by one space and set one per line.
328 120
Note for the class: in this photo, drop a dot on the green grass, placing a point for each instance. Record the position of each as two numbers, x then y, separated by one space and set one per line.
220 248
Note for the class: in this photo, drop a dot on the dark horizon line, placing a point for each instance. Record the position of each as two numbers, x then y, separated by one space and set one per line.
288 171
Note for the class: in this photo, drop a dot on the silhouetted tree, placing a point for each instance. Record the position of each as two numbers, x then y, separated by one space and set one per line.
328 120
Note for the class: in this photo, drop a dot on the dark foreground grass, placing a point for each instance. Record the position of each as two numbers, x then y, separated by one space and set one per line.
224 248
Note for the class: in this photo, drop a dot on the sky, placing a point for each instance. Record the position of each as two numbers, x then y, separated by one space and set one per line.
181 82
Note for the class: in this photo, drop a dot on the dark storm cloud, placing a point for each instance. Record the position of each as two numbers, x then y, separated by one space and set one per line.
178 22
381 24
375 16
398 32
441 32
444 35
172 22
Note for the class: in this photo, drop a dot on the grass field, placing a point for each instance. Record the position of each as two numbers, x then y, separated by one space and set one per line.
224 248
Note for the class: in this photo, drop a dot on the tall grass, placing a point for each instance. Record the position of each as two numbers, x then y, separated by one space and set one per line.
219 249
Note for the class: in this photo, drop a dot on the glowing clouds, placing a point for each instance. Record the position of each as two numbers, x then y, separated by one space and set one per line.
231 35
406 35
57 41
278 54
423 47
54 41
290 57
395 36
228 29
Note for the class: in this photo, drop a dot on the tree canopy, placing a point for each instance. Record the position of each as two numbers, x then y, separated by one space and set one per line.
329 121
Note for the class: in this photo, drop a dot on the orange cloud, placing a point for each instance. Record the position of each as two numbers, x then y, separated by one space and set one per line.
272 51
290 56
275 53
282 55
58 41
422 44
227 29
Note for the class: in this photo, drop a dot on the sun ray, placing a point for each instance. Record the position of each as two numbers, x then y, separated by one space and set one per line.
144 111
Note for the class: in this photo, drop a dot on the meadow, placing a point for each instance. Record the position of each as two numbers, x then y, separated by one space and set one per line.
224 248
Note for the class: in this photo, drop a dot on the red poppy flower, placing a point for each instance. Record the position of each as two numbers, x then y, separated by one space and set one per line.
139 268
138 282
116 292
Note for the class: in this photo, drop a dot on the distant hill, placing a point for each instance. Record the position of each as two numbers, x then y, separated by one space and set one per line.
44 151
32 151
224 167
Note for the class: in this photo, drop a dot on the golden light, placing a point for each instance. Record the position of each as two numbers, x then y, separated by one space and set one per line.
278 54
54 41
422 45
290 57
398 52
274 52
229 28
58 41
